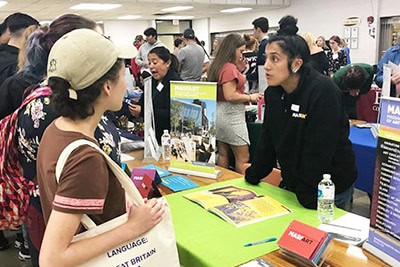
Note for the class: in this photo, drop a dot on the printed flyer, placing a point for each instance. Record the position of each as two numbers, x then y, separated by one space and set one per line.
193 114
384 235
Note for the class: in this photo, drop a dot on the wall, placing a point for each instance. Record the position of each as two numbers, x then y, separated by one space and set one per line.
124 31
319 17
201 28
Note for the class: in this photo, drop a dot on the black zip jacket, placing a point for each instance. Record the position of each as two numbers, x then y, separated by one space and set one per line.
307 132
8 61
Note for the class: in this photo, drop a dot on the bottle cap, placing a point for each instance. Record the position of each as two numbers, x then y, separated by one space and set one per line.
326 176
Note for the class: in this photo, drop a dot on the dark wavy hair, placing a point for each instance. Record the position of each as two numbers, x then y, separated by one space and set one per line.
355 77
40 43
83 107
292 44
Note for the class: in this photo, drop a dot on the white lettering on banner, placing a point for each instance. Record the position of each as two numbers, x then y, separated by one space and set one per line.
142 257
393 109
127 247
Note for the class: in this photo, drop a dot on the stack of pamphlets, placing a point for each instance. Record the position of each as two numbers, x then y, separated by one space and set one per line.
305 245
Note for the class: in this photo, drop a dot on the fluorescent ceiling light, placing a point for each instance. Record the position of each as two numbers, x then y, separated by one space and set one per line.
95 6
129 17
176 8
3 3
100 22
236 9
175 17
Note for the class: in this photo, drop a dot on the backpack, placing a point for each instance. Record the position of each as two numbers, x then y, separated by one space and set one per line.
15 190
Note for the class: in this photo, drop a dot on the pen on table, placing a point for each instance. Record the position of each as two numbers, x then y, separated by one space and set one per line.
260 242
342 226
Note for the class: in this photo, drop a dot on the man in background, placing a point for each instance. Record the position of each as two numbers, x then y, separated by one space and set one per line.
353 80
191 58
392 55
260 32
16 25
151 42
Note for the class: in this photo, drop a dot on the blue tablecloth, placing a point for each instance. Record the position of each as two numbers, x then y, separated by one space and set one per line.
364 146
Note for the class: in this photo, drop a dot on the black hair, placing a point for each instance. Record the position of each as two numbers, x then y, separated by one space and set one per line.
3 28
18 21
164 54
292 44
83 106
355 77
150 32
178 41
261 23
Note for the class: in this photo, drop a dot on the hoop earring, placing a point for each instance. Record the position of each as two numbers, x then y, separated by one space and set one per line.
294 70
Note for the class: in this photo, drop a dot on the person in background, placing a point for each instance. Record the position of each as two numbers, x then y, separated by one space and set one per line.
354 80
191 58
12 89
33 121
231 129
151 42
16 25
318 59
139 41
4 33
86 75
343 46
163 66
260 32
320 42
179 43
215 46
250 55
336 57
392 55
305 127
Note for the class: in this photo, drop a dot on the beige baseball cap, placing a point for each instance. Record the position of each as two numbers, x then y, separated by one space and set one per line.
83 56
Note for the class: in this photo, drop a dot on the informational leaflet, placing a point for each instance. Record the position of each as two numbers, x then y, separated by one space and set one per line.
193 114
384 235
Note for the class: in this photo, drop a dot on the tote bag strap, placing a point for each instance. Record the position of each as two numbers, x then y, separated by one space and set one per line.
130 189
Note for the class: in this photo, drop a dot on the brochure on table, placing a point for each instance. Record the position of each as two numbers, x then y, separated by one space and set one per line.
384 234
193 113
237 205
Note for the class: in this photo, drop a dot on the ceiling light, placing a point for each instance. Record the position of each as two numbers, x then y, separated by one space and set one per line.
176 8
3 3
94 6
175 17
236 9
45 22
129 17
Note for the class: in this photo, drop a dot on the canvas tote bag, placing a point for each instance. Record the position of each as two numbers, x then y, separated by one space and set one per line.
154 248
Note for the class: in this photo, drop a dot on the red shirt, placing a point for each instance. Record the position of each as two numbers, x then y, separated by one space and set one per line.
229 73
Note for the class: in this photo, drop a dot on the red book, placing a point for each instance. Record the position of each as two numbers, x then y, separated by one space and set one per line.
302 239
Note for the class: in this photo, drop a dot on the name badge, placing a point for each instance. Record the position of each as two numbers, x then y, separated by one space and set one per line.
295 108
160 86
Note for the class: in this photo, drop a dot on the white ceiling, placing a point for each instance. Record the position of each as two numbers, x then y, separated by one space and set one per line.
50 9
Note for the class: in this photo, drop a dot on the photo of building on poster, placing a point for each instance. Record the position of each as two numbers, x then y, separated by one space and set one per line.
193 113
193 130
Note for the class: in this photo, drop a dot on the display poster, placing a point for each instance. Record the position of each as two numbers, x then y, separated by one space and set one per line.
384 235
193 114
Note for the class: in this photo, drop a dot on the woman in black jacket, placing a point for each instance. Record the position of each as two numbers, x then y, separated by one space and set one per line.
163 67
305 127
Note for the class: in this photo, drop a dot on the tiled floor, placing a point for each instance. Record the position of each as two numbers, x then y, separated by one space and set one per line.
9 258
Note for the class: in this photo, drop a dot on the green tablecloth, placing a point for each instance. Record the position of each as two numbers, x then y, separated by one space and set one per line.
205 239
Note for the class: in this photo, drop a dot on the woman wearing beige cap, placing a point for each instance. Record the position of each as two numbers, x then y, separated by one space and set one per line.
86 76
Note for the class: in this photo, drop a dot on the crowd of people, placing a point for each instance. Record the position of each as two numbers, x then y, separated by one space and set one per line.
75 79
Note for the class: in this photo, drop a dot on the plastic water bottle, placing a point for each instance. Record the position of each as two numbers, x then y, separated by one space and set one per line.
166 145
326 198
